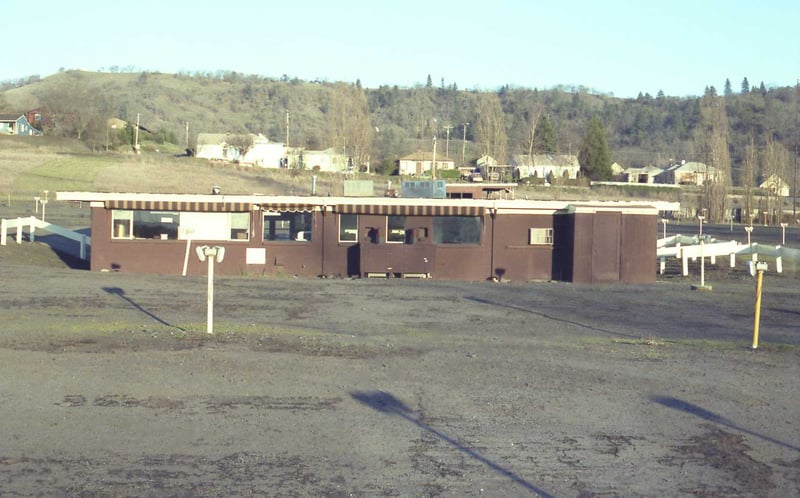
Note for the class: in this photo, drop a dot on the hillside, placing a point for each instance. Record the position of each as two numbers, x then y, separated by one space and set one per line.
397 121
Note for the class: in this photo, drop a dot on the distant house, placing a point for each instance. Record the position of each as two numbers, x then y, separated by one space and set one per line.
262 153
325 160
688 173
419 163
17 124
543 165
645 175
775 185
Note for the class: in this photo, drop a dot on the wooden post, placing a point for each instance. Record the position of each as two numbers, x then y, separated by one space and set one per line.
756 322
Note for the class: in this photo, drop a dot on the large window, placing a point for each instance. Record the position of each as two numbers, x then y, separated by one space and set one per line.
348 228
287 226
127 224
457 230
396 229
169 225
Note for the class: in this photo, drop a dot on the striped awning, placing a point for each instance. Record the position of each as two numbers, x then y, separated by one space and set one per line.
179 206
410 210
293 207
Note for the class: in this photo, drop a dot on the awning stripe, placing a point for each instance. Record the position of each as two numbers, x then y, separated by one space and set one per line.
409 210
287 206
179 206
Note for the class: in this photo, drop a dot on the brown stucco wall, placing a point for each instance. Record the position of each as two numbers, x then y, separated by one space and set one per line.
639 240
588 248
513 256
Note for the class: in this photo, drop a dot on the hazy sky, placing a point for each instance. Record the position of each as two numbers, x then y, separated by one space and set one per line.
611 46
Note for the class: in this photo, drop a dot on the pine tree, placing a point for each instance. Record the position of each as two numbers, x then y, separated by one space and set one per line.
546 136
594 156
728 90
745 85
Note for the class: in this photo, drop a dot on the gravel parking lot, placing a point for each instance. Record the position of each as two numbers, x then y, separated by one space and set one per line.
311 387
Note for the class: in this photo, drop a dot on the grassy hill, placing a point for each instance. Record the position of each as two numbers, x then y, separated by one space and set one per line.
31 165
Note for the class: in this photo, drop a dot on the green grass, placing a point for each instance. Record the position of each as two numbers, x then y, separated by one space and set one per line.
68 173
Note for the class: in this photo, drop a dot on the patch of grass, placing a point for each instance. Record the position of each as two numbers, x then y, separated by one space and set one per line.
61 174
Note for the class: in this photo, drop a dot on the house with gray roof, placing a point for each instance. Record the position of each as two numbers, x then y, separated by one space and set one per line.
17 124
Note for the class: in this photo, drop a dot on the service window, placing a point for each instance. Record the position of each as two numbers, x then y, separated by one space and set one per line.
239 226
214 226
156 225
121 223
287 226
540 236
348 228
396 229
457 230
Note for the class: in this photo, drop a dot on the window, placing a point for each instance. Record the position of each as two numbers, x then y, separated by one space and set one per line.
214 226
168 225
457 230
540 236
121 221
240 226
287 226
127 224
348 228
396 229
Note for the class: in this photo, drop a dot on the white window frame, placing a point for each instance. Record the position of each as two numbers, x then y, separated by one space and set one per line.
540 236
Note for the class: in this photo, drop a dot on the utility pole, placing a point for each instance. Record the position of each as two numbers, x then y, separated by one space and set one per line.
433 162
447 143
796 140
287 138
136 135
464 145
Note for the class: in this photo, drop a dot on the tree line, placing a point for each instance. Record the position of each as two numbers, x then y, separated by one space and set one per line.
746 133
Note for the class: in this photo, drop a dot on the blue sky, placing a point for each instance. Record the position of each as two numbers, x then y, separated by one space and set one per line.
612 46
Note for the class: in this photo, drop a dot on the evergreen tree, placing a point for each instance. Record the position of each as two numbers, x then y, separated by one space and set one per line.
745 85
594 156
429 83
546 136
728 90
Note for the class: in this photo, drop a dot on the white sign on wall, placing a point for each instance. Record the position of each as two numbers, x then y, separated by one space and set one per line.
256 256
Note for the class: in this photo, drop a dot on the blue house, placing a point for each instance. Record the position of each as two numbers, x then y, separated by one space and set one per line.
16 124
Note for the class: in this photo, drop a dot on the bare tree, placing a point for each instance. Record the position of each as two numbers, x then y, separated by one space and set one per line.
349 123
490 130
74 108
774 169
711 144
530 136
242 142
748 178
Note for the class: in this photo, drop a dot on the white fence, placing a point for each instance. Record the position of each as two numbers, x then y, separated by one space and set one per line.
673 247
33 223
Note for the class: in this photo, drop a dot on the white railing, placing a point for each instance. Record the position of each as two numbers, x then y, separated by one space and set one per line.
33 223
673 247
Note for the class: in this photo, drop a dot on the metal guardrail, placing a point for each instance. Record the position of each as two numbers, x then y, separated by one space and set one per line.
673 247
33 223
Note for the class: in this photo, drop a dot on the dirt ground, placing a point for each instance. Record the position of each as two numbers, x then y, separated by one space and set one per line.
311 387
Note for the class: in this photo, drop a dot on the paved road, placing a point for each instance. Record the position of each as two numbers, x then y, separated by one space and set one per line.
767 235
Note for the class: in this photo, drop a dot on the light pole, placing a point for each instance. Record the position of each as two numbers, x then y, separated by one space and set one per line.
211 254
